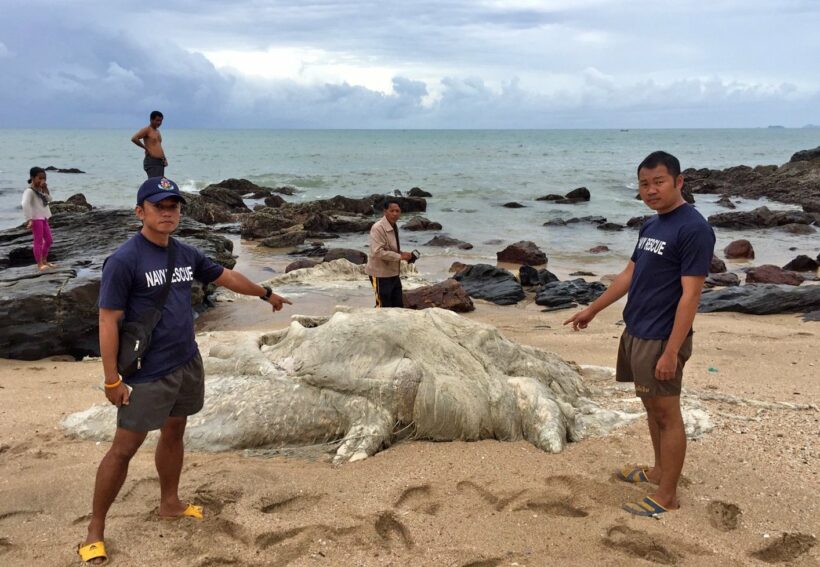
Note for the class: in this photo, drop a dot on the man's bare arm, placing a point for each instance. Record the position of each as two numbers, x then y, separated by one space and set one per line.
139 136
616 290
109 345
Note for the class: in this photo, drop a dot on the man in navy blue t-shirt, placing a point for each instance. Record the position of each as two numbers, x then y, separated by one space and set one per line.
664 278
169 384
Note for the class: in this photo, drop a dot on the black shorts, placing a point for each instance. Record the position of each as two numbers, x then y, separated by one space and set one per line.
637 359
154 167
178 394
388 291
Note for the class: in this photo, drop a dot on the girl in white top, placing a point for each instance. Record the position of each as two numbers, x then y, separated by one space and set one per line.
35 208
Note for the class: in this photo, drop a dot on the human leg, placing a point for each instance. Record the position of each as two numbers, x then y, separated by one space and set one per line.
110 477
168 458
655 471
48 240
672 447
37 244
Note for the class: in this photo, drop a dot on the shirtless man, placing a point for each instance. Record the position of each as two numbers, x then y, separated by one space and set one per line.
150 140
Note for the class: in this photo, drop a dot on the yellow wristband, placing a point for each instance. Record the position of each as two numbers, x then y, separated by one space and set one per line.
114 385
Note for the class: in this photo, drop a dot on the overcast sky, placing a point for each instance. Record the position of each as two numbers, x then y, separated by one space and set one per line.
410 64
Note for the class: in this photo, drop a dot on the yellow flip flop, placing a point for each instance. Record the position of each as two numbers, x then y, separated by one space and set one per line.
95 550
191 511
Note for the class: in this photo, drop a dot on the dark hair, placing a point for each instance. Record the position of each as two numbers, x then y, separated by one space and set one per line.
34 172
156 114
655 159
388 202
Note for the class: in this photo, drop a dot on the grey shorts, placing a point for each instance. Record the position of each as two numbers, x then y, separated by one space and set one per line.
178 394
637 359
154 167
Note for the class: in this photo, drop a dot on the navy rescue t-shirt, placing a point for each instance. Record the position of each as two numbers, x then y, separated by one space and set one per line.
133 277
678 243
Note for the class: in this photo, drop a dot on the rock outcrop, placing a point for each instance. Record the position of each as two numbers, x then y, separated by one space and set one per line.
522 252
55 312
493 284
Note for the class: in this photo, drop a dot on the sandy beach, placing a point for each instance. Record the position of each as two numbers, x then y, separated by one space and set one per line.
745 484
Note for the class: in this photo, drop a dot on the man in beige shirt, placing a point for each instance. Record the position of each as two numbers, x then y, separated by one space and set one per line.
384 260
150 140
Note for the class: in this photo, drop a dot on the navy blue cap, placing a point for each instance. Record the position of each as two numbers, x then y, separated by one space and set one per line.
155 189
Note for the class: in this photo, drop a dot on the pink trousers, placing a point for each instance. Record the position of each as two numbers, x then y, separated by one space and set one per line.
42 239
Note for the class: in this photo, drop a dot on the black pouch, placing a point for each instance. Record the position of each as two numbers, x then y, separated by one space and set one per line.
135 336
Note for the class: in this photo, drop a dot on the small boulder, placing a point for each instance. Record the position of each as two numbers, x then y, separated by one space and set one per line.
545 277
528 276
555 222
599 249
522 252
638 222
420 223
300 264
610 226
447 242
513 205
769 273
796 228
739 249
493 284
593 219
717 266
457 267
550 197
726 279
353 256
564 294
448 294
274 201
726 202
290 237
579 194
802 263
418 192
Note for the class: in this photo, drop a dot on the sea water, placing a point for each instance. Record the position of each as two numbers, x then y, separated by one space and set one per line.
471 174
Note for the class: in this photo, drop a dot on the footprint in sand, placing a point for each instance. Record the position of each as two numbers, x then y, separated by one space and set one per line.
389 528
295 503
497 502
17 513
492 562
641 545
215 499
216 561
723 515
787 548
418 499
144 489
5 545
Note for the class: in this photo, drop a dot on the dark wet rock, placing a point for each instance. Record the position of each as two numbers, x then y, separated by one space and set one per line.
354 256
242 188
274 201
793 182
289 190
579 194
593 219
418 192
599 249
266 221
557 294
610 226
201 210
761 299
806 155
739 249
761 217
724 279
449 294
312 251
64 169
407 204
583 273
555 222
300 264
528 276
457 267
726 202
802 263
522 252
795 228
812 316
545 277
771 274
55 312
447 242
74 204
687 195
224 198
513 205
551 197
493 242
638 222
421 223
339 223
483 281
292 236
717 266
